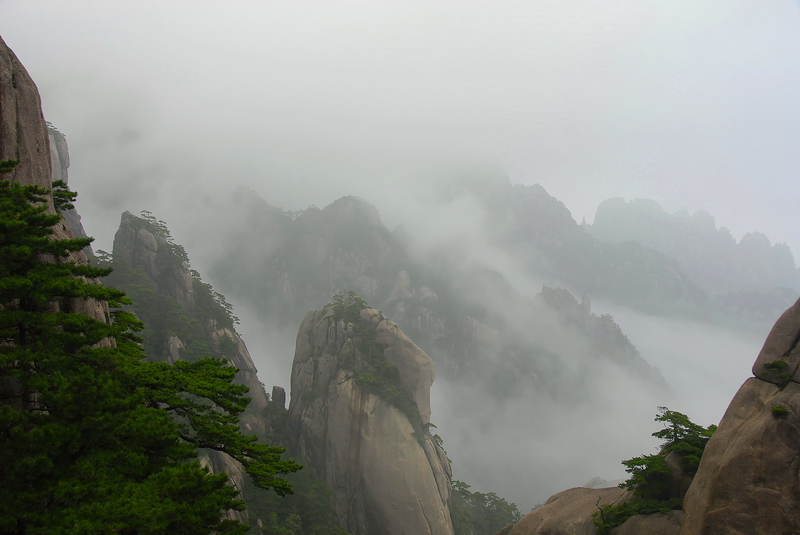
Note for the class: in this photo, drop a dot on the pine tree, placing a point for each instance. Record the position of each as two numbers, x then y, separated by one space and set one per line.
95 439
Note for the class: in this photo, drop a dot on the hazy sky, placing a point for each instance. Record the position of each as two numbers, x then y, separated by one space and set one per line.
694 104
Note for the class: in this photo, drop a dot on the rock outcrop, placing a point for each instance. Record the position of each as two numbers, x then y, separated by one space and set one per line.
23 131
24 137
359 412
748 481
155 272
59 163
568 512
143 249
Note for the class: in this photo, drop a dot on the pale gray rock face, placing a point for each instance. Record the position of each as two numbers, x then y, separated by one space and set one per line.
59 163
386 478
748 481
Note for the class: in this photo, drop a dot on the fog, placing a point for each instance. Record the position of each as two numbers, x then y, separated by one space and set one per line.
691 104
172 106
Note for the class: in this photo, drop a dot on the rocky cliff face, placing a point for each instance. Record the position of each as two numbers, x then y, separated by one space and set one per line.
24 137
59 163
359 412
749 477
143 249
23 131
184 321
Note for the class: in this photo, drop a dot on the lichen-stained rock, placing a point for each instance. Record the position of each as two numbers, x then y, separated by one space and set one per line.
748 481
388 475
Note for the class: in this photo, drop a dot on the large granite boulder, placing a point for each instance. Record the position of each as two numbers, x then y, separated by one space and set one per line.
366 435
748 481
569 512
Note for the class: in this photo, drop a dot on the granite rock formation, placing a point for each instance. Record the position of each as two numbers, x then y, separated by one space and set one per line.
24 137
23 131
143 249
359 412
145 256
59 163
568 512
749 475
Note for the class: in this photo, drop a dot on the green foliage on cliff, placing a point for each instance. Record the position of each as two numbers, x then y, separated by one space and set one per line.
162 314
93 438
475 513
309 510
651 478
370 368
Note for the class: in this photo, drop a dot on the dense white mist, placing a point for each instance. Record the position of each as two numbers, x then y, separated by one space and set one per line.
691 104
529 447
704 364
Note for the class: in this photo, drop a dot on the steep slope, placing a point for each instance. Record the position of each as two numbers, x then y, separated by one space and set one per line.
23 131
59 162
359 412
185 319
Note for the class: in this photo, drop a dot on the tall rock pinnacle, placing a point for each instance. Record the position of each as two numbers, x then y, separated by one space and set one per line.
360 409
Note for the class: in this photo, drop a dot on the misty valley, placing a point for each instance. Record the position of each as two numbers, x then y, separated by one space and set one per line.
456 356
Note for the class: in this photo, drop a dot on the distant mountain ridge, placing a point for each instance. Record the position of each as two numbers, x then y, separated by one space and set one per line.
751 279
710 255
467 317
